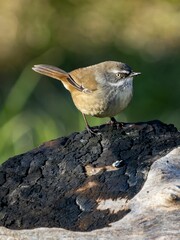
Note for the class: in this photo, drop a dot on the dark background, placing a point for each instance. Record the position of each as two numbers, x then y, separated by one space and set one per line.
72 34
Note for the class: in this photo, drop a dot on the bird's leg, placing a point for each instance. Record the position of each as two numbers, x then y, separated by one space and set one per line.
113 122
87 125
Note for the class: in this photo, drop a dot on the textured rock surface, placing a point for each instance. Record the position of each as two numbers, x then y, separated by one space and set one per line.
84 183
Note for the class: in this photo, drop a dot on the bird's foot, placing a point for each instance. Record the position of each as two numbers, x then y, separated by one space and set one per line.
114 122
93 132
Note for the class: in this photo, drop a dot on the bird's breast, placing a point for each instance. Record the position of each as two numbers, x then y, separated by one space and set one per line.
118 98
107 101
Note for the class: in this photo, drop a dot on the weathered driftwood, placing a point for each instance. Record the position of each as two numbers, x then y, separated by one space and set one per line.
105 184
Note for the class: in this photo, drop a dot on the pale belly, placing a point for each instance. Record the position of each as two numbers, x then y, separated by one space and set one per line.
116 105
108 104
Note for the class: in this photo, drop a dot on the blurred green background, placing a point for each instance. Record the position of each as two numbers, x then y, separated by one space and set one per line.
72 34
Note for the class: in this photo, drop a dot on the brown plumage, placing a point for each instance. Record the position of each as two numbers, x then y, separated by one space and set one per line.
101 90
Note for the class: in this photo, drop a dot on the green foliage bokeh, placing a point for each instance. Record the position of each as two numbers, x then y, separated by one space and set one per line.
72 34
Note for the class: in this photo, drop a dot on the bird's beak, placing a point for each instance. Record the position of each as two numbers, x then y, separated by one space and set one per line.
134 74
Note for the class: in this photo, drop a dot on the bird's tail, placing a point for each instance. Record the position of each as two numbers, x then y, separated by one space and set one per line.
51 71
57 73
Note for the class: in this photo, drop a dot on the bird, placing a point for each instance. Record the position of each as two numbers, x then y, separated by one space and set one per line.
100 90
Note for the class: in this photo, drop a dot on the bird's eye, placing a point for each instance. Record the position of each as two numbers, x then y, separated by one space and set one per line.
122 74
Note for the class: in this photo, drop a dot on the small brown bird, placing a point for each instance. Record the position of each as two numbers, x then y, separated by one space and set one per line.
100 90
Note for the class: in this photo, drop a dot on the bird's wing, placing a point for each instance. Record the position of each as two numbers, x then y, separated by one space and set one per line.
85 77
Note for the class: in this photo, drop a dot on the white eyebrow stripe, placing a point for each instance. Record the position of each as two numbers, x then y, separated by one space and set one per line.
115 71
119 71
124 71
